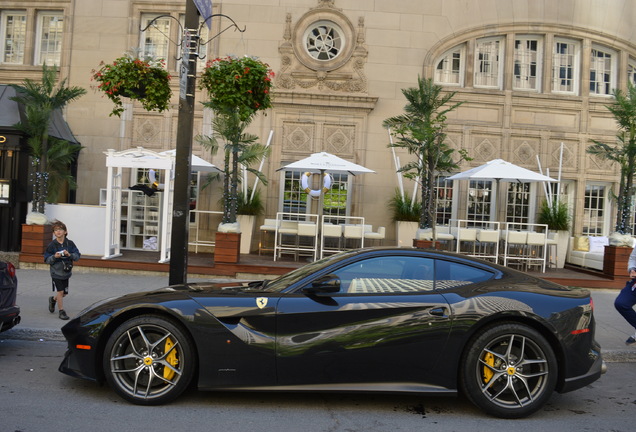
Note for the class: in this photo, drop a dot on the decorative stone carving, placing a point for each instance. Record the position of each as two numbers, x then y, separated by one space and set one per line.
147 131
569 159
323 52
524 152
339 139
485 150
298 137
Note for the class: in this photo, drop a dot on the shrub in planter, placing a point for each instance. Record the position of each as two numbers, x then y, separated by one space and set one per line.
403 208
555 216
144 80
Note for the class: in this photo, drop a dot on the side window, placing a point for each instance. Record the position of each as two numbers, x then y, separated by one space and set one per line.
451 275
397 274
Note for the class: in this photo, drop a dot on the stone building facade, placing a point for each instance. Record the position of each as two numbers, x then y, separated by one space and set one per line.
535 78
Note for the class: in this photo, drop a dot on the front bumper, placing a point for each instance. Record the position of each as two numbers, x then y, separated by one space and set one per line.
80 362
9 318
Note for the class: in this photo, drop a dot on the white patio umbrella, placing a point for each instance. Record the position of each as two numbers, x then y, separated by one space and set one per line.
324 162
196 163
327 162
501 170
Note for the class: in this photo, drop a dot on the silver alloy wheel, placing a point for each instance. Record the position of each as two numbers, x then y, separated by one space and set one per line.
148 360
512 370
509 370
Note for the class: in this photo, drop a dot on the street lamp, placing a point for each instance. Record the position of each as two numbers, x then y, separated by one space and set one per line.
187 79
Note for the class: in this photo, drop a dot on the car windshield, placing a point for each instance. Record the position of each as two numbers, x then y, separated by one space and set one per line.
279 284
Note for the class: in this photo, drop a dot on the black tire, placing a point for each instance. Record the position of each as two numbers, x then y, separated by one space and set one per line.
149 360
509 371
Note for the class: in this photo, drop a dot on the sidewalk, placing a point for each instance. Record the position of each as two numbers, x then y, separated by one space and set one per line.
87 287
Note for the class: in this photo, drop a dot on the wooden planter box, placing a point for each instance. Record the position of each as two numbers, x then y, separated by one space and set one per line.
227 248
615 261
424 244
35 238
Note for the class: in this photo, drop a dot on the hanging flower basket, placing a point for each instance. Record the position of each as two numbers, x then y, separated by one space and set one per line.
144 80
242 83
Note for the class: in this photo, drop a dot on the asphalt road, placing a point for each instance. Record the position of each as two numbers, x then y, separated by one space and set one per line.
35 397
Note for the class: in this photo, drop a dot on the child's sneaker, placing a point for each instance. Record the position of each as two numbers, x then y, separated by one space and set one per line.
630 341
63 315
51 304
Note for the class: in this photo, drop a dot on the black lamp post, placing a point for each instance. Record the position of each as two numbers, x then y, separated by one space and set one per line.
180 213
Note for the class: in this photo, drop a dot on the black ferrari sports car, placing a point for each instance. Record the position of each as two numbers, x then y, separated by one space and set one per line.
377 319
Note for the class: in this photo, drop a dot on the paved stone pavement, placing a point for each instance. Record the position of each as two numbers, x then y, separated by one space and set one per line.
88 286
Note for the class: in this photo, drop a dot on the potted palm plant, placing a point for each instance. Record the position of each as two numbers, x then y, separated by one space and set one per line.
250 205
420 131
556 216
405 212
238 88
50 157
623 153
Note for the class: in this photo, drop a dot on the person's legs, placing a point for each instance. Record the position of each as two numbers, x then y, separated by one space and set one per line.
624 304
61 287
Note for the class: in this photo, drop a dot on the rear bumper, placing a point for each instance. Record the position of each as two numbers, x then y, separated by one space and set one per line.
596 370
9 318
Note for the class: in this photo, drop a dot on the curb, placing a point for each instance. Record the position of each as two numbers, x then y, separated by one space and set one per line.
33 334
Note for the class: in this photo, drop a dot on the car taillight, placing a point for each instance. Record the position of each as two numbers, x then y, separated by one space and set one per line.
11 270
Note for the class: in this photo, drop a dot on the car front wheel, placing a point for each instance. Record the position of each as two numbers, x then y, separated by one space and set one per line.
149 360
509 371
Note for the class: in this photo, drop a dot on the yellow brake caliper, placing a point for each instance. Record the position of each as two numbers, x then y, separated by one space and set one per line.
489 359
172 359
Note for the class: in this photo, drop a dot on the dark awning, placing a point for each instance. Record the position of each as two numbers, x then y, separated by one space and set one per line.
11 113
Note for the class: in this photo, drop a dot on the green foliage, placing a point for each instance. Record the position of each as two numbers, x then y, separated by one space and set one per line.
145 80
248 205
556 216
622 152
51 157
420 131
234 83
240 148
403 208
238 89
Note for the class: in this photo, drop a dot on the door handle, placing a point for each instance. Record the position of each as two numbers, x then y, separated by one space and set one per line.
440 311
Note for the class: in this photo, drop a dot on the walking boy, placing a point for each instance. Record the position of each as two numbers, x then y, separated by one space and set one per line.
60 254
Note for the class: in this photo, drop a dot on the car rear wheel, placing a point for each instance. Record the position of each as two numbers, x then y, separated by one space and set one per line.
509 371
149 360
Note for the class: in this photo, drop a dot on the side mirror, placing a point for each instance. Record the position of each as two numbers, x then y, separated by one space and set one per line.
328 284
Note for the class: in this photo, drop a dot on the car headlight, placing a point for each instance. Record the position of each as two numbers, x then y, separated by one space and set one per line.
96 305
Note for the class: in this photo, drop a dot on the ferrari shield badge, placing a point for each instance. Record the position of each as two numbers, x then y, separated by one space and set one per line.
261 302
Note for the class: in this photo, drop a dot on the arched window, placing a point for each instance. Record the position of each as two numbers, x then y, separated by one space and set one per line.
449 69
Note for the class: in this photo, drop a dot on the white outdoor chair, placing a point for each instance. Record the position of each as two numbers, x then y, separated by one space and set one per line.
307 239
286 238
536 250
373 236
514 248
488 244
552 259
330 234
464 236
267 231
353 234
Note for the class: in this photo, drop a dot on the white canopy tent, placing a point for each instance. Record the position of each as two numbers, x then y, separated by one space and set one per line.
140 157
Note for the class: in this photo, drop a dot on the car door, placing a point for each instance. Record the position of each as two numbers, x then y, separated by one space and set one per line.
386 323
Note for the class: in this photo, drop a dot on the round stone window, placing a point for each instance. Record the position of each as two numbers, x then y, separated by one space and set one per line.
324 40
